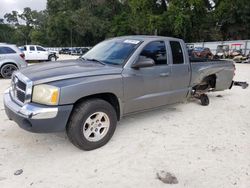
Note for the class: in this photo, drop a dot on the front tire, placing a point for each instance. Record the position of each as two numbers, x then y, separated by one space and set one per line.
52 58
92 124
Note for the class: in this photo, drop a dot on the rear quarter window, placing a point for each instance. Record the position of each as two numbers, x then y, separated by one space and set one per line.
40 48
7 50
177 52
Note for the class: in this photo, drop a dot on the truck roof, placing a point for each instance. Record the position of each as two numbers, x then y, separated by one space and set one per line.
146 37
31 45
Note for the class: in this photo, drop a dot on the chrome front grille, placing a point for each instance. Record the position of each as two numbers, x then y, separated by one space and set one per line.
20 95
18 89
21 85
21 88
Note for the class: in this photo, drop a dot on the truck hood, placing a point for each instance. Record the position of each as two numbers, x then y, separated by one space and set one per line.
60 70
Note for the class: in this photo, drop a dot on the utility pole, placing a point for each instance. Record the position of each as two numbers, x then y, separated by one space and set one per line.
71 37
156 32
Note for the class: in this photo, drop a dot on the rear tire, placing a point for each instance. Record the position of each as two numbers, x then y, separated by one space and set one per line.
7 70
204 100
92 124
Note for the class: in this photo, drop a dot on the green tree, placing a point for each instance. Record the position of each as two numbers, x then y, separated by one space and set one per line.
233 18
6 32
83 22
12 18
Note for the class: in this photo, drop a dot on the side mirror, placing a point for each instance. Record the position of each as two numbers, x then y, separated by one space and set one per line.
143 62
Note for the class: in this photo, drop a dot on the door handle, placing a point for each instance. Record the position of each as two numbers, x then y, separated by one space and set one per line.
165 74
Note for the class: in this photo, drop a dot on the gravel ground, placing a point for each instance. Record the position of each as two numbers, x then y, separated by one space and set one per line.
187 144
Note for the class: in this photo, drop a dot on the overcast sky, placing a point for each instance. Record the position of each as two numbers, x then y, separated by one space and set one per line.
7 6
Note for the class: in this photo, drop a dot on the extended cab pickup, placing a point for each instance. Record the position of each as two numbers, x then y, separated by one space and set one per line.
86 97
38 53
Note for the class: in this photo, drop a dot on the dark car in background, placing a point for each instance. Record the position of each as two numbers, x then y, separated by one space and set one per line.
65 51
79 51
74 51
84 50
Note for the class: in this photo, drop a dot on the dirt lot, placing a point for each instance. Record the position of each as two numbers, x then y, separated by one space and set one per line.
202 146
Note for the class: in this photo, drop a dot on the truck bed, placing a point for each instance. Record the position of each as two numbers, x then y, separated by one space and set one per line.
222 69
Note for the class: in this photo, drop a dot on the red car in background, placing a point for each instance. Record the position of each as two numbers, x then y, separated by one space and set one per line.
201 52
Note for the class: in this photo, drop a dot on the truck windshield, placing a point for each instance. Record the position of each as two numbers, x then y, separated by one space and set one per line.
112 51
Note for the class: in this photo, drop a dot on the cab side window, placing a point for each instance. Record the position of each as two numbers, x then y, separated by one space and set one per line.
177 53
32 48
157 51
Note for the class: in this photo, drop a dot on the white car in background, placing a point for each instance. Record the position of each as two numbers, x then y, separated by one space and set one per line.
37 53
11 59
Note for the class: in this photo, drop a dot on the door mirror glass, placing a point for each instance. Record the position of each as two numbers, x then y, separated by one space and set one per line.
143 62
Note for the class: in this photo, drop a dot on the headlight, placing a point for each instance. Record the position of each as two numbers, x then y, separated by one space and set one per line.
45 94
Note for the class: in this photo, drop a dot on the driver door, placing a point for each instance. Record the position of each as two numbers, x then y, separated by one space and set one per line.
148 87
31 53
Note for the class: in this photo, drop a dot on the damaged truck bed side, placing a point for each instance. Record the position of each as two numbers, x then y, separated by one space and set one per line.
86 97
217 73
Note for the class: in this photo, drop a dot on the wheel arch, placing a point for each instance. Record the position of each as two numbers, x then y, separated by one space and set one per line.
211 80
206 83
9 62
109 97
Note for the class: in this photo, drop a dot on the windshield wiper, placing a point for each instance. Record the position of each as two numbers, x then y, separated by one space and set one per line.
95 60
98 61
112 63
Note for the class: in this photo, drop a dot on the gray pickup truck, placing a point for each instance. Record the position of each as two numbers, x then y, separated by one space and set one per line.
86 97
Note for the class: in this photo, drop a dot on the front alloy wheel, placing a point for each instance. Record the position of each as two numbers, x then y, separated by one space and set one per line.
96 126
91 124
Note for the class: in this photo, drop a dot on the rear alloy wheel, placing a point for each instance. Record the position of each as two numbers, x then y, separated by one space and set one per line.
92 124
7 70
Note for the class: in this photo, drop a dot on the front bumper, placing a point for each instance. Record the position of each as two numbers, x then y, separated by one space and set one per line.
37 118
